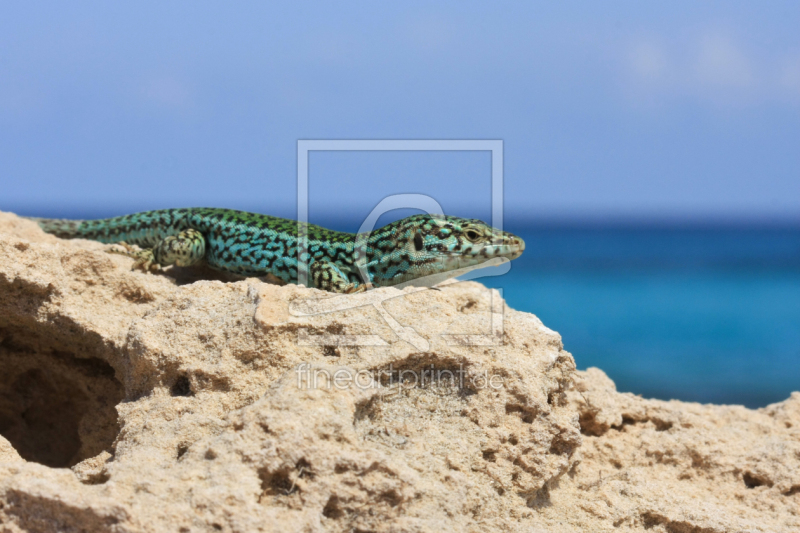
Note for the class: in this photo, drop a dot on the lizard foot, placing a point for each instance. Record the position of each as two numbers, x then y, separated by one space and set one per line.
353 288
127 249
144 259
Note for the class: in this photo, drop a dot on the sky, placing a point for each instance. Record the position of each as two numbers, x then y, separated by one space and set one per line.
606 110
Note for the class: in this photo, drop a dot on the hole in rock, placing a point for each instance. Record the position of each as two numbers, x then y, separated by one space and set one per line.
652 520
391 497
303 468
331 351
181 387
661 425
278 483
332 509
55 408
97 479
526 415
752 481
541 498
425 398
561 446
589 425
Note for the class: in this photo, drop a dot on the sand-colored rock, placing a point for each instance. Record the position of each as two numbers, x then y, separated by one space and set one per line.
7 452
677 466
132 402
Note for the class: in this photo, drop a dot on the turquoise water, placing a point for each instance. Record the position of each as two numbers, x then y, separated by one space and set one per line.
704 315
694 313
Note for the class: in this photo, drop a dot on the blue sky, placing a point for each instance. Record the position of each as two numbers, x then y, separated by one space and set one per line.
683 110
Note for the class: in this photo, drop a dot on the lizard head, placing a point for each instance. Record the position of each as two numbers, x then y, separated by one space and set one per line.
424 245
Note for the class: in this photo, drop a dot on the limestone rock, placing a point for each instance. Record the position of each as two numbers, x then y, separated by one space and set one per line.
141 402
7 452
677 466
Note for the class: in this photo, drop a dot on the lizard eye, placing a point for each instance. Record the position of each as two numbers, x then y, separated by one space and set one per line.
418 242
472 235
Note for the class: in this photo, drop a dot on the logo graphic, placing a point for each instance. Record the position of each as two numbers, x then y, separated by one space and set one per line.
317 306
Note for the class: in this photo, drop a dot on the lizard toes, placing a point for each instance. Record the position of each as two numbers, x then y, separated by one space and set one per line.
353 288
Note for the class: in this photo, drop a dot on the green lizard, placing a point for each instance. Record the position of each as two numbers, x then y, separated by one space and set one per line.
250 244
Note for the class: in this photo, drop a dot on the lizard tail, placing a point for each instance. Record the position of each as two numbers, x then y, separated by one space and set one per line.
65 228
144 229
62 227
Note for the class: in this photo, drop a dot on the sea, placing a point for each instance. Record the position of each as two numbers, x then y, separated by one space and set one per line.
702 314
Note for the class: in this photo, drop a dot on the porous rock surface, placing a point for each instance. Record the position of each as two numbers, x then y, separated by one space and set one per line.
169 402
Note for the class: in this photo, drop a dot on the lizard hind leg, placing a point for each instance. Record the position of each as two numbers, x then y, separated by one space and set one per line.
184 249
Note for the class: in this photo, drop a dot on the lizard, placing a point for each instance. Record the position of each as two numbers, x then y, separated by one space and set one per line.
251 244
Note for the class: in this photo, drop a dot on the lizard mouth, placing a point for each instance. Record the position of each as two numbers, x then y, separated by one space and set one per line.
452 264
509 247
510 250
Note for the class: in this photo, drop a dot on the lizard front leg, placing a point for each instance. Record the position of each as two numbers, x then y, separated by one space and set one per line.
185 249
144 259
327 276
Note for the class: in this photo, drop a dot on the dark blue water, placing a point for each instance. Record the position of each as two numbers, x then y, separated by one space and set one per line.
703 314
708 314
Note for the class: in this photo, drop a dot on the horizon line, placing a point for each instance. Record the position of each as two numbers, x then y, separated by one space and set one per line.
561 220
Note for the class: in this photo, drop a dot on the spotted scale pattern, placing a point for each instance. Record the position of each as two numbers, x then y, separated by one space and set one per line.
251 244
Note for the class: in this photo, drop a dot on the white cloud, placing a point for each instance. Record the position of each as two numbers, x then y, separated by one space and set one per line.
168 92
790 76
431 33
721 64
714 68
648 61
